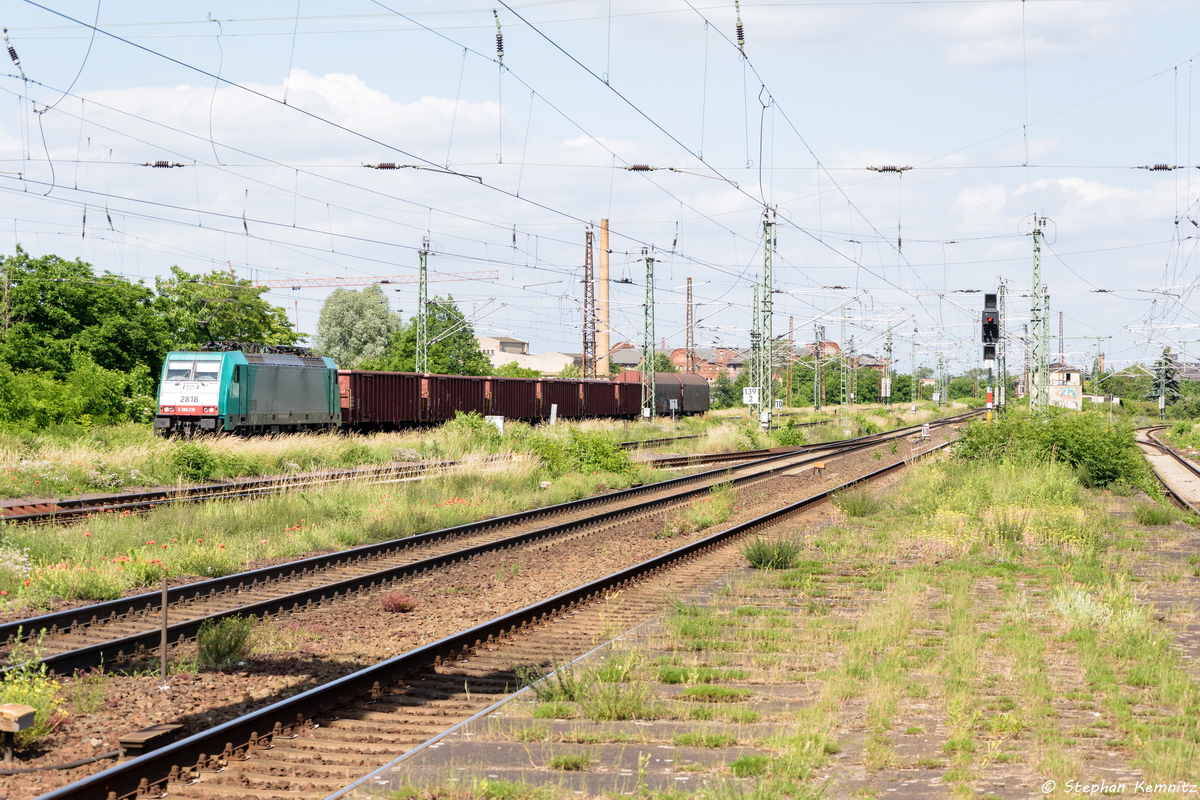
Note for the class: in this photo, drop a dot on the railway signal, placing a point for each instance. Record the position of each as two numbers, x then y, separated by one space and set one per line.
991 327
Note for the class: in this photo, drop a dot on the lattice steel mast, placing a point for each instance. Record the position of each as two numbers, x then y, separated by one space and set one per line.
589 311
422 360
1039 396
648 340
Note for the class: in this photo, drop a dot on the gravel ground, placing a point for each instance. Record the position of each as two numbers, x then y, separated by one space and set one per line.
313 647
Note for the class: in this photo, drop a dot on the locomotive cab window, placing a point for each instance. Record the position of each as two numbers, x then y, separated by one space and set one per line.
237 373
208 370
179 370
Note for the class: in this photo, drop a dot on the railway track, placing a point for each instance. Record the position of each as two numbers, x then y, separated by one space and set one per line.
141 502
110 632
129 503
1180 476
317 742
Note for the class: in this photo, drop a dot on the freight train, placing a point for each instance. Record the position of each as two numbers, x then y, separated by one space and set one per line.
273 392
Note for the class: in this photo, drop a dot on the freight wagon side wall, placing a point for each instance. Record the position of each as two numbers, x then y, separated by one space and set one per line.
513 398
565 394
446 394
600 398
380 399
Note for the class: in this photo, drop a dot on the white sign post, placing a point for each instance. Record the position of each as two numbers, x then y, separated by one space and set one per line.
750 396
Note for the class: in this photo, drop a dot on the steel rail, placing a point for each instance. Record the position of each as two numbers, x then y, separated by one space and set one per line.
256 729
73 508
115 650
107 611
1152 441
111 610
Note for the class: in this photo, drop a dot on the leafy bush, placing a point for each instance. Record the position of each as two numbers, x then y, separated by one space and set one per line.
221 644
1101 453
194 462
789 435
581 451
772 553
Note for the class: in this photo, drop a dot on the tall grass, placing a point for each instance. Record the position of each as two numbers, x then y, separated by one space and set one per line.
109 555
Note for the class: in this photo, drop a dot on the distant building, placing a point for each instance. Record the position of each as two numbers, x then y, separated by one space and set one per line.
711 362
502 350
1065 386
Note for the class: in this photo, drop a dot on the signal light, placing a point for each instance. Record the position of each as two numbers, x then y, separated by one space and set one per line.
990 331
168 409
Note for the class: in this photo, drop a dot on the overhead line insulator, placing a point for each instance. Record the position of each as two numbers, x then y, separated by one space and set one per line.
162 164
640 168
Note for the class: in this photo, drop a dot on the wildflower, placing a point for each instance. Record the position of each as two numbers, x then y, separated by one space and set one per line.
2 592
88 534
164 547
151 542
173 541
264 541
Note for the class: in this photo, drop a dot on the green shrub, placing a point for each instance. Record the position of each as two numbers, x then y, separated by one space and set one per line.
789 435
581 451
194 462
224 643
1101 453
776 553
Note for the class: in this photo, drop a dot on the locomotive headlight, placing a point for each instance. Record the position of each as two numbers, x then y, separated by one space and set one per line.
209 409
168 409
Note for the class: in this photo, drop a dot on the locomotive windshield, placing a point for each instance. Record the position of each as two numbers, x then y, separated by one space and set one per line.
179 370
208 370
193 370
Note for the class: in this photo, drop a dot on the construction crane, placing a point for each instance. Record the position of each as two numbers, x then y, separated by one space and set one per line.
300 283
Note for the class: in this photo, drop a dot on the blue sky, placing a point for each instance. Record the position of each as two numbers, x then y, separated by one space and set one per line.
1004 109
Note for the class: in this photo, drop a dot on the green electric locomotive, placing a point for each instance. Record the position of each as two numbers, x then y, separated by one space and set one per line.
239 392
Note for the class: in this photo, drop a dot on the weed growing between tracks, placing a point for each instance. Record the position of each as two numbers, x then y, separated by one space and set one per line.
107 556
986 627
700 514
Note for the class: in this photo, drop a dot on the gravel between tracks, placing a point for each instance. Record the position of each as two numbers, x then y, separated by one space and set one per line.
331 641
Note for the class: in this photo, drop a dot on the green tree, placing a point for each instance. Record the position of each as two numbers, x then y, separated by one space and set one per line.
58 312
1166 378
512 370
661 362
218 306
722 394
570 372
453 349
356 327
